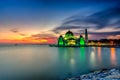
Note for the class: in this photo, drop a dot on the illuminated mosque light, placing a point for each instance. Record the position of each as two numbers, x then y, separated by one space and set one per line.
70 40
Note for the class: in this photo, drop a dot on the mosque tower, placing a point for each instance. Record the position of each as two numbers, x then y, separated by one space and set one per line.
86 35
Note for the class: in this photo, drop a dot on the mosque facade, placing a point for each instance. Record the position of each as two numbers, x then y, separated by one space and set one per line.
70 40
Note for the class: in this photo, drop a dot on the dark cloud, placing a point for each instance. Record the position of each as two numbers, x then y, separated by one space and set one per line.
42 36
15 30
105 33
22 34
98 33
108 18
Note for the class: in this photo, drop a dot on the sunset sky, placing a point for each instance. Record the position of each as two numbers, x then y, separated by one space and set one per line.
42 21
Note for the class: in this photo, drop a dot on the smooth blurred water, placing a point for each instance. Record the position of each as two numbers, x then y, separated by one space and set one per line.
41 62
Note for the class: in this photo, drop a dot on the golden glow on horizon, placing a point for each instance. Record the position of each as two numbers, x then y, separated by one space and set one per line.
24 33
43 40
23 41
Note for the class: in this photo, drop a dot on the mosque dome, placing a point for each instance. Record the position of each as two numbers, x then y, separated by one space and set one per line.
69 33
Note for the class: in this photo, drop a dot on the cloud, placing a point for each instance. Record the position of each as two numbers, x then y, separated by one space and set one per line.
16 31
114 37
22 34
108 18
42 36
105 33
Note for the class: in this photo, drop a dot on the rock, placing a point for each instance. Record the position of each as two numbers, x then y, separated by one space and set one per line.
113 74
112 70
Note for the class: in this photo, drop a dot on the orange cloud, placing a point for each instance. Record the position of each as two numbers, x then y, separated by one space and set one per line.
114 37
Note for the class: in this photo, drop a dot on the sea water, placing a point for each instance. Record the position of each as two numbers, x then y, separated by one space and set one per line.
41 62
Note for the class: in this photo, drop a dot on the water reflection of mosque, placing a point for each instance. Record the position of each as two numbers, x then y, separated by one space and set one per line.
84 56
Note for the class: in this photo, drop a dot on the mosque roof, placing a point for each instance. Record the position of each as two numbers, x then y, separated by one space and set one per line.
69 33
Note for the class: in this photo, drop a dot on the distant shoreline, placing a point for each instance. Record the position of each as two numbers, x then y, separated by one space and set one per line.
54 45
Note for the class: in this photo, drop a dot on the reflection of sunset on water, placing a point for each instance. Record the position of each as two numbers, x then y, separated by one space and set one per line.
113 56
93 57
99 54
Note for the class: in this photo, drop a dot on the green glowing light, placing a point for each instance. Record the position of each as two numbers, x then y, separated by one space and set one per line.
82 55
70 39
69 34
82 41
61 41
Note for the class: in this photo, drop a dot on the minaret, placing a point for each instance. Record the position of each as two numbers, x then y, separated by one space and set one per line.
86 35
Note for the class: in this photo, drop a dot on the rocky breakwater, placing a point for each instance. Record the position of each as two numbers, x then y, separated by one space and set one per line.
112 74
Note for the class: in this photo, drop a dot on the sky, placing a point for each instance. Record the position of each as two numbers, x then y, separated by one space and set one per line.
42 21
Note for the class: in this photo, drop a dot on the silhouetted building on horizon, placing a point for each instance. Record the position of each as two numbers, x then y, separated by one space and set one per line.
86 35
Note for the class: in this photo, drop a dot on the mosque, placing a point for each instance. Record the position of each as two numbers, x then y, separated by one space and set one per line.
70 40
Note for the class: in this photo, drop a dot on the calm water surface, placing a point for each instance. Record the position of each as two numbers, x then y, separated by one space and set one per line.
41 62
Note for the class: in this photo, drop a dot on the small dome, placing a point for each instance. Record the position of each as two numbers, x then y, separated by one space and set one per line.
81 36
60 35
69 33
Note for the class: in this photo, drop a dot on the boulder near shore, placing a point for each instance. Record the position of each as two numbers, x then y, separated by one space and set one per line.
105 74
